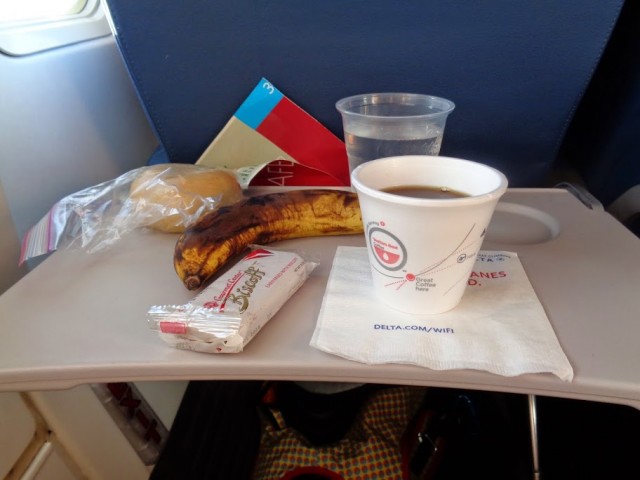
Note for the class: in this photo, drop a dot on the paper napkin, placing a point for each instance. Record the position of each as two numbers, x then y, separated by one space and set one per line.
500 325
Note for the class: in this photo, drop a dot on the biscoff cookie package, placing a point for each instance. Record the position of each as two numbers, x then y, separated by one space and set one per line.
226 315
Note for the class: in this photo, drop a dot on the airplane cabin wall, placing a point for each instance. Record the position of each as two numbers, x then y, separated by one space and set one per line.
69 119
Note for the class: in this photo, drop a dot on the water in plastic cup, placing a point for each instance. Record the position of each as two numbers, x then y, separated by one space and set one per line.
422 249
378 125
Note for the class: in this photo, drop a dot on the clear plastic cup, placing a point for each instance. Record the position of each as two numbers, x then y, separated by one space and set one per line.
378 125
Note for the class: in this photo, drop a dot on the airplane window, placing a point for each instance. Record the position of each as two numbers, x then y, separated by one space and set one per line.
23 10
33 26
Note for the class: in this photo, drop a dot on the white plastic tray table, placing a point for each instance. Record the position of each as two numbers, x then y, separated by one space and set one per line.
80 318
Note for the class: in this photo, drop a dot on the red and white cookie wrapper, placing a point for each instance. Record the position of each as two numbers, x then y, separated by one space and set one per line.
227 314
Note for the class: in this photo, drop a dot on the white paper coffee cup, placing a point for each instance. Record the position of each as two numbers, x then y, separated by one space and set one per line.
422 250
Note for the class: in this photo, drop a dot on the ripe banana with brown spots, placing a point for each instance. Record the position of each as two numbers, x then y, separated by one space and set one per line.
207 245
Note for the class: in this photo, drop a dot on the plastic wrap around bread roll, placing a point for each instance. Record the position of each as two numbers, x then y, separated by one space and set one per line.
177 194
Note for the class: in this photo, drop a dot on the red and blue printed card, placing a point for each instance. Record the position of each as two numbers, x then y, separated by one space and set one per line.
271 141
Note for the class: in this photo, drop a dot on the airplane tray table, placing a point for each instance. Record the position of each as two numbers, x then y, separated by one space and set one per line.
80 318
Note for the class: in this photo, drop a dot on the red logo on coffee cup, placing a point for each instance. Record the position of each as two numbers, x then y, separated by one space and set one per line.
387 249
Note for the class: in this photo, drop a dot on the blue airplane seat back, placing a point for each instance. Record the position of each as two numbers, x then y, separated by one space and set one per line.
603 143
515 69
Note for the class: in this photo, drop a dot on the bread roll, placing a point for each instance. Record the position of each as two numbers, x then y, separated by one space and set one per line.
174 193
